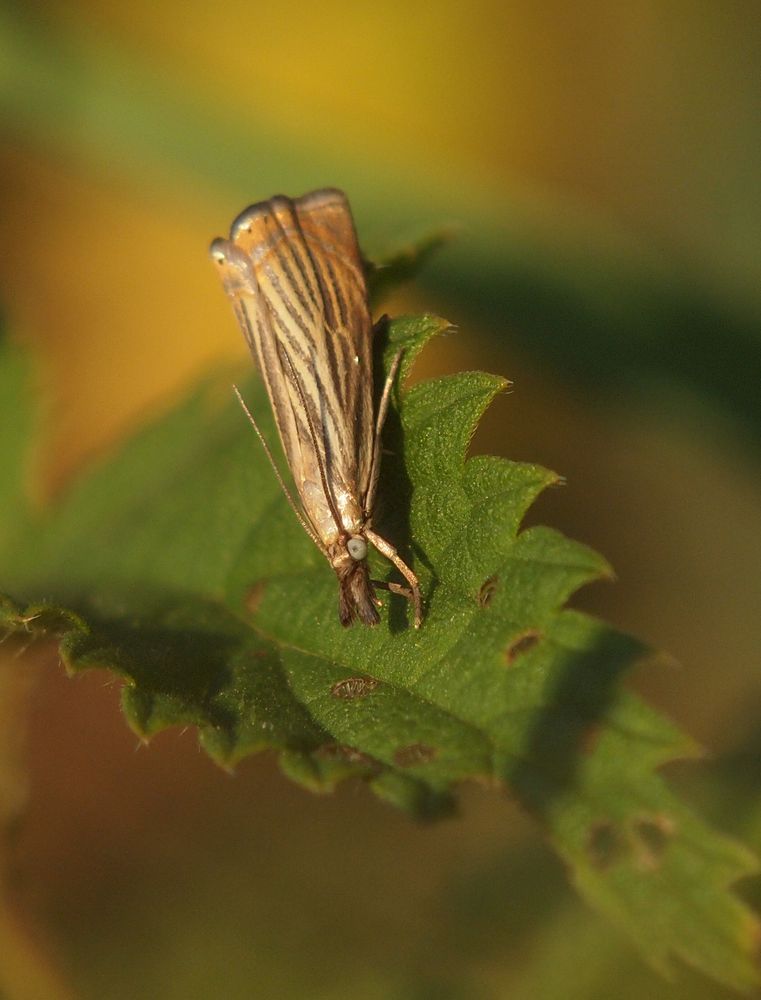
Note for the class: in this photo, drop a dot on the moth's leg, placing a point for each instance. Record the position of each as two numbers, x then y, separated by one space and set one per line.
386 549
379 422
393 588
374 585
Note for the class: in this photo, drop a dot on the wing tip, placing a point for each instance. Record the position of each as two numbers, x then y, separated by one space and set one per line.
319 198
323 197
219 250
244 220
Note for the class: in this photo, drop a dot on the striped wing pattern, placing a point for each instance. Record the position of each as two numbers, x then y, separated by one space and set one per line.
294 272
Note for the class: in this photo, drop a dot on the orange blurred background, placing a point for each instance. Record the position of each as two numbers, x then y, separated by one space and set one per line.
614 139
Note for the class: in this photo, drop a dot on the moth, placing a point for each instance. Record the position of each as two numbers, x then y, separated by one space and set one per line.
294 273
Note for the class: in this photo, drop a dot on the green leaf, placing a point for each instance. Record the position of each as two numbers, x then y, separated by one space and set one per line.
179 565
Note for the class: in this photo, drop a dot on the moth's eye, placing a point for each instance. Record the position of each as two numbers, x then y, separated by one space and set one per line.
357 548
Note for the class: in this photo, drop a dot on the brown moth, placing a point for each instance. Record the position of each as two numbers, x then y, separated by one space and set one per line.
293 271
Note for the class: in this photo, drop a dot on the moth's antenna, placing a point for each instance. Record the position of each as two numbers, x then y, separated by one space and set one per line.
275 469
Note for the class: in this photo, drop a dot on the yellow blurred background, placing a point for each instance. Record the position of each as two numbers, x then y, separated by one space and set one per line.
614 138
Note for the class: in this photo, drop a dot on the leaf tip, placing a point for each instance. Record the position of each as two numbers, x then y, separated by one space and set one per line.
418 798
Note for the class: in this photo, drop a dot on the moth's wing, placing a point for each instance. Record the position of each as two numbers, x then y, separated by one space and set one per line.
309 273
241 285
328 230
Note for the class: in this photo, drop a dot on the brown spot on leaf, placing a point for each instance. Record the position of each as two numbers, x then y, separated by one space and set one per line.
605 845
345 754
253 597
590 738
487 591
522 643
415 753
354 687
653 834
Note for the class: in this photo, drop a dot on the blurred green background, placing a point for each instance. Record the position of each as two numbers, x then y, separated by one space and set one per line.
600 163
